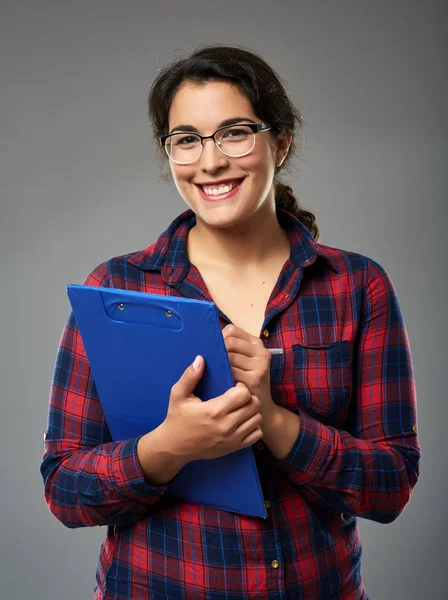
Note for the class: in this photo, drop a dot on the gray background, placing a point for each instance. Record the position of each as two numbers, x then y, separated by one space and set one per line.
79 183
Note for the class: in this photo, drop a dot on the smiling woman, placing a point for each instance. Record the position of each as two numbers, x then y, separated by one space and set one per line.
331 415
252 161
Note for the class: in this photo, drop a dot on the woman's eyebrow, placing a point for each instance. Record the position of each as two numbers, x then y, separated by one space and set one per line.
231 121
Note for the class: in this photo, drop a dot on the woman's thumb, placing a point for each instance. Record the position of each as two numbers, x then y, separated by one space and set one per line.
190 378
197 364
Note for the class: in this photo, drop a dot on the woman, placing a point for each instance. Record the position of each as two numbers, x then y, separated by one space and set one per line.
332 420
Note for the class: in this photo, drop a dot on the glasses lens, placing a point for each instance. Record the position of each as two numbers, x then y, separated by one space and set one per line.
236 140
183 147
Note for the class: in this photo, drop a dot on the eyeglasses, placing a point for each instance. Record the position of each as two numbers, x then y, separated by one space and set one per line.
233 140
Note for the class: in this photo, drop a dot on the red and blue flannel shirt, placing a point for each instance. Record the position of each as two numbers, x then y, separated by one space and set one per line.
346 370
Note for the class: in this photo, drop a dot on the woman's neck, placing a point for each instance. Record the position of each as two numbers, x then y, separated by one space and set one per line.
246 247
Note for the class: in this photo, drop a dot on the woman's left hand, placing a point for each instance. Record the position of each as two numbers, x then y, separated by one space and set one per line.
250 362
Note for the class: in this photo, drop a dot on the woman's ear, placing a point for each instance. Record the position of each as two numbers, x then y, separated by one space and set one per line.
283 143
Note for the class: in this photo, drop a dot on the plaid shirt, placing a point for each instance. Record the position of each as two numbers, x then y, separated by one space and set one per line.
346 370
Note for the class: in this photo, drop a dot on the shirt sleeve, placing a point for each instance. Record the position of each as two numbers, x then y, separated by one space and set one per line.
370 469
88 479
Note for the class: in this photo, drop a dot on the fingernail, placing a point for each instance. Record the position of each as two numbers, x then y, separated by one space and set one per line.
197 362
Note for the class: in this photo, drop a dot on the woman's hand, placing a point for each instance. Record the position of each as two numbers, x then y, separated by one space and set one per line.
194 429
250 362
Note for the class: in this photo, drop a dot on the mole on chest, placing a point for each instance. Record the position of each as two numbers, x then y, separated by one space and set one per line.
245 308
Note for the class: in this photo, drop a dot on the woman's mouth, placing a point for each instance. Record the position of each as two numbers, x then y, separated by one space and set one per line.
220 192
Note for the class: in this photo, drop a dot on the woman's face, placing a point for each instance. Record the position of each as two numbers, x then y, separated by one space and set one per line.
205 106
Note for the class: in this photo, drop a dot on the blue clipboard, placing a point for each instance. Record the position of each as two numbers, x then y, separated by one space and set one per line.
138 346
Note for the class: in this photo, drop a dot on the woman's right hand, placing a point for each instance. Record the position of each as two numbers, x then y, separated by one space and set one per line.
203 430
194 429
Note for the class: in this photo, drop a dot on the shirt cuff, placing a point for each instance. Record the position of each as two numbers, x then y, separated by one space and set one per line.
128 475
310 452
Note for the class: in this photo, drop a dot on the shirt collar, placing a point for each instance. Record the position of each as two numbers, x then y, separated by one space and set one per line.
168 253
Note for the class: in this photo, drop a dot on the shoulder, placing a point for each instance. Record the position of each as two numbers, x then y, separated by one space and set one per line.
121 270
348 262
124 269
359 273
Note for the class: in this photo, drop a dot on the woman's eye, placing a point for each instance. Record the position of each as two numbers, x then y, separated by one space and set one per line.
187 140
235 133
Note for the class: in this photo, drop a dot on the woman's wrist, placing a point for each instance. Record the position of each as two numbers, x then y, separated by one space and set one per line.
280 431
159 463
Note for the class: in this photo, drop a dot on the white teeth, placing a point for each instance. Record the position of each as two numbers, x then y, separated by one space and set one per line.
224 189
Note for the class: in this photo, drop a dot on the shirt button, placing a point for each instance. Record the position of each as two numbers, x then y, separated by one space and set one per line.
415 429
275 564
260 446
266 333
45 436
267 503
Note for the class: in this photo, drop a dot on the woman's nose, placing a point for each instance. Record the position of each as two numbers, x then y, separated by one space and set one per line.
212 158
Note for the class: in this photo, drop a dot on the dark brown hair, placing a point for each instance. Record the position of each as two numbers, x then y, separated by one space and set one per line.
261 85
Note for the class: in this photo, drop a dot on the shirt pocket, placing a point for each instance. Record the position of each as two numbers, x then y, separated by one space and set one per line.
322 376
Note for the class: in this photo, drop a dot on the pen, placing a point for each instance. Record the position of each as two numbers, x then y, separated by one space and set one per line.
274 351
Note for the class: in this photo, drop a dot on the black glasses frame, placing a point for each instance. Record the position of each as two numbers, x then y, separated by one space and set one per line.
256 128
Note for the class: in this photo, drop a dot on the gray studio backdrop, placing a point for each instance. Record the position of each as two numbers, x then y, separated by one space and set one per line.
79 183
